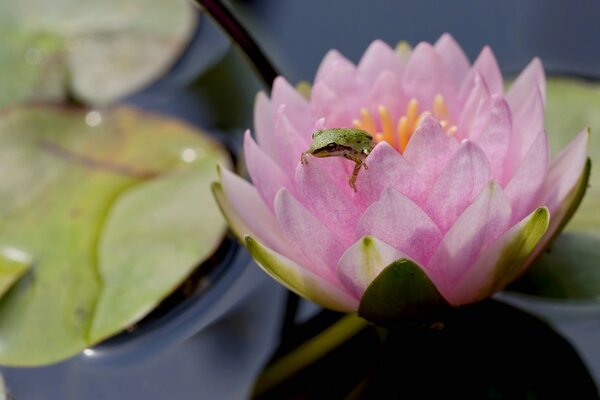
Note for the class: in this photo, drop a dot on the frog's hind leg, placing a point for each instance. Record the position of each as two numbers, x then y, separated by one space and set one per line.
352 180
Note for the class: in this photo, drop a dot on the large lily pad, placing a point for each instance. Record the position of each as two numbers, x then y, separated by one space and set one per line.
114 216
571 269
95 51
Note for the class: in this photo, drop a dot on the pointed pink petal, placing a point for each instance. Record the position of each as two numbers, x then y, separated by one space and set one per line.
296 106
290 144
387 91
495 135
266 174
429 149
531 78
264 123
387 168
481 224
340 75
461 181
425 77
322 196
524 186
300 280
487 66
326 104
363 261
564 172
247 214
319 245
475 111
527 123
379 57
398 221
502 262
454 58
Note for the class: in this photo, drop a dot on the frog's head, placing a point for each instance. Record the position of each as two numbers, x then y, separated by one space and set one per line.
336 141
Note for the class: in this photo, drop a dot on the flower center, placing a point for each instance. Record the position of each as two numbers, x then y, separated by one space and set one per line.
399 135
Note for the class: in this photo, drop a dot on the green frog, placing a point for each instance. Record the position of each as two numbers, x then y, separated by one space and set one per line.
353 144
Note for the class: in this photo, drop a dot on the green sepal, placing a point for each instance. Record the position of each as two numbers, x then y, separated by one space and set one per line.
401 291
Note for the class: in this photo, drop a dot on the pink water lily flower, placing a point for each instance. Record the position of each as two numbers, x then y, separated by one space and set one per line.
460 194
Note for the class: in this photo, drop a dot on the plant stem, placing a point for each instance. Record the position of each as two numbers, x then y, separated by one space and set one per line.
309 352
240 36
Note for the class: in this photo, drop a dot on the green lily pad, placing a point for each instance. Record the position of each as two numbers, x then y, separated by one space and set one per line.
114 215
571 267
94 51
402 290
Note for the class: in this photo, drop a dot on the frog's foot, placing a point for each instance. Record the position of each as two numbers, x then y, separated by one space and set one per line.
352 182
364 164
303 158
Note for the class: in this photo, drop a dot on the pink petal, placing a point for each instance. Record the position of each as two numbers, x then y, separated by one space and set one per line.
564 172
502 262
326 104
264 123
454 58
300 280
379 57
495 136
387 168
296 106
481 224
387 91
530 79
475 111
321 247
322 196
461 181
341 77
524 186
487 66
290 144
429 149
527 123
425 77
266 174
248 214
363 261
398 221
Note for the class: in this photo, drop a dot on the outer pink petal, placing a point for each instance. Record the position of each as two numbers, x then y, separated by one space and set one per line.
502 262
266 174
401 223
487 66
465 175
326 201
255 218
296 106
264 123
326 104
524 186
340 75
481 224
379 57
529 80
475 111
290 144
321 247
527 123
495 136
387 168
429 149
454 58
363 261
425 76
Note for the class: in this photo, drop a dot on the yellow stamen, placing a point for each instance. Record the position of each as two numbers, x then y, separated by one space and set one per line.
402 133
367 120
452 130
378 137
386 124
412 112
439 108
403 50
357 124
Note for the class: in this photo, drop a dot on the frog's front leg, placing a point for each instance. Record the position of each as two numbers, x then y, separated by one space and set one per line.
303 156
352 180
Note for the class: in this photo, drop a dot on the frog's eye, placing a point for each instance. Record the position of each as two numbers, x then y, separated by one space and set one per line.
331 147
